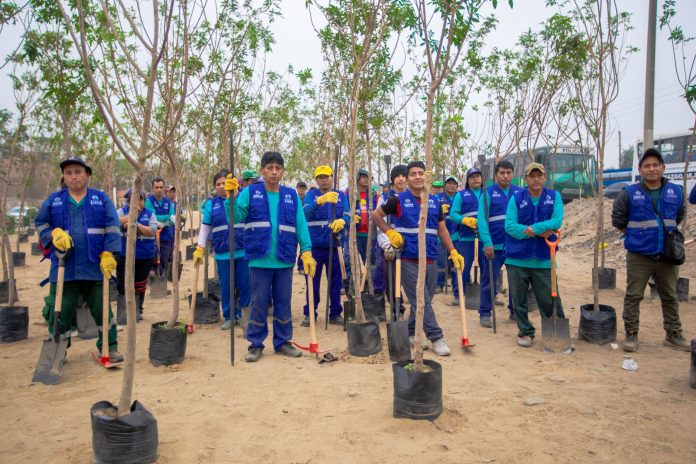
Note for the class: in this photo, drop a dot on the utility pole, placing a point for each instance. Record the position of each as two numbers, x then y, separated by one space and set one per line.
649 77
620 151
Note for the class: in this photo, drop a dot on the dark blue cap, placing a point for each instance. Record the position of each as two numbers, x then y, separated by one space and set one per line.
75 160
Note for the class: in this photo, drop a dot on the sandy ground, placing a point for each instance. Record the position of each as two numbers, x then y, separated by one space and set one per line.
284 410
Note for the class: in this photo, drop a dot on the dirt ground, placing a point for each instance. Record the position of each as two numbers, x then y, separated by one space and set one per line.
283 410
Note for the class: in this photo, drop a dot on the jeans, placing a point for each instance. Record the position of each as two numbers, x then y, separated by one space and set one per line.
321 256
266 283
639 269
486 303
519 279
409 278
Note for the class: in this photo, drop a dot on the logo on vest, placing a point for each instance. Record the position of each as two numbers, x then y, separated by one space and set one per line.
57 202
288 199
95 200
258 195
524 204
408 203
548 200
670 193
496 194
638 195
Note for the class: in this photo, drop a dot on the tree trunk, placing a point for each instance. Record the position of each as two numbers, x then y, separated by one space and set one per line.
371 226
686 173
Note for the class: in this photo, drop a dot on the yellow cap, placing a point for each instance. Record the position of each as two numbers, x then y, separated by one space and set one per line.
323 171
534 166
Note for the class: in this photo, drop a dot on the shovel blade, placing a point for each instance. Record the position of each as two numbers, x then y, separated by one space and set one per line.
472 297
49 369
397 341
158 286
555 335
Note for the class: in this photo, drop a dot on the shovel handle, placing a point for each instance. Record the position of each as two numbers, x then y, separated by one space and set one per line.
192 308
552 249
341 261
105 317
310 299
476 247
553 244
462 308
397 284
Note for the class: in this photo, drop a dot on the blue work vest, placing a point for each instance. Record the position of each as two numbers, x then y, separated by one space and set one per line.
445 200
94 220
470 204
162 209
407 224
644 233
144 246
257 226
496 211
220 228
319 219
528 214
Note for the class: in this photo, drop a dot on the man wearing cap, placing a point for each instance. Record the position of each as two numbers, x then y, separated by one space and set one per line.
388 253
362 218
533 215
446 198
405 209
164 211
170 191
436 188
643 211
82 223
464 213
249 176
324 226
491 227
144 248
301 189
273 217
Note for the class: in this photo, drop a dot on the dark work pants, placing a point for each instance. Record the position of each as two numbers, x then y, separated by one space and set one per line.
409 278
321 256
266 283
519 279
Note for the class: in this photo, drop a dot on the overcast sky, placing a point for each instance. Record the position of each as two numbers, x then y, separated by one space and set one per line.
297 44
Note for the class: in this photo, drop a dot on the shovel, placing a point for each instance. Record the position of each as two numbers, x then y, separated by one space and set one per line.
192 308
49 369
491 279
465 332
313 347
473 290
555 331
104 360
349 309
397 330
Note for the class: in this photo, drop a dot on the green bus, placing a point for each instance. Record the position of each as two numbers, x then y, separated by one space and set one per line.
568 169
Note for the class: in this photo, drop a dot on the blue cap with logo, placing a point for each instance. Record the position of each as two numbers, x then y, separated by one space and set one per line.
75 160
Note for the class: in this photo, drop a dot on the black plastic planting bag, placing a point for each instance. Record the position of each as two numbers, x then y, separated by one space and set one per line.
214 288
597 326
207 309
374 306
14 323
129 439
692 373
167 344
5 290
417 395
364 339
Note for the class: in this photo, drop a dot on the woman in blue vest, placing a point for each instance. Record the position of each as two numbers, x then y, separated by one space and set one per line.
446 198
532 215
144 248
274 224
405 211
464 213
216 226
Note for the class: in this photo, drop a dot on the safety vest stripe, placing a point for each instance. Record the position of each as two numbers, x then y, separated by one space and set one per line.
500 217
222 227
95 231
144 237
239 225
414 230
317 223
250 225
113 230
470 214
670 222
42 227
641 224
283 228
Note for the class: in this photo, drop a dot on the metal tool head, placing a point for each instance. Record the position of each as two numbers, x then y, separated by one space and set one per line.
49 368
555 335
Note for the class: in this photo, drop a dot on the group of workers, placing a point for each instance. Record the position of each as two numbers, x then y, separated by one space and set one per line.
272 222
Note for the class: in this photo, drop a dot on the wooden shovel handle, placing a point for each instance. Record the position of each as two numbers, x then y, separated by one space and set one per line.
397 284
364 278
476 247
341 262
192 308
462 308
105 316
310 299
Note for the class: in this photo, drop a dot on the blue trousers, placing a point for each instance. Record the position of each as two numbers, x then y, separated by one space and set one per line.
166 249
378 275
466 249
409 278
486 303
321 256
361 244
241 284
441 265
266 283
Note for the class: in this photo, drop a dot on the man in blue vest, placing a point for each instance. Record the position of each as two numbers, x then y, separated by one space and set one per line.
144 248
216 227
464 213
81 222
643 211
158 203
533 214
323 226
446 197
274 223
491 227
405 211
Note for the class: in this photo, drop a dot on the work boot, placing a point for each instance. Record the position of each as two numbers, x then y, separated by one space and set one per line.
253 355
288 350
439 290
305 321
338 320
454 302
440 347
246 313
412 341
226 325
115 356
630 343
499 303
525 341
677 340
486 322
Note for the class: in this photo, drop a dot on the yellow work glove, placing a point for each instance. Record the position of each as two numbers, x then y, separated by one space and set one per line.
198 255
107 263
308 263
470 222
395 238
457 259
356 219
445 208
337 225
328 197
61 239
231 185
